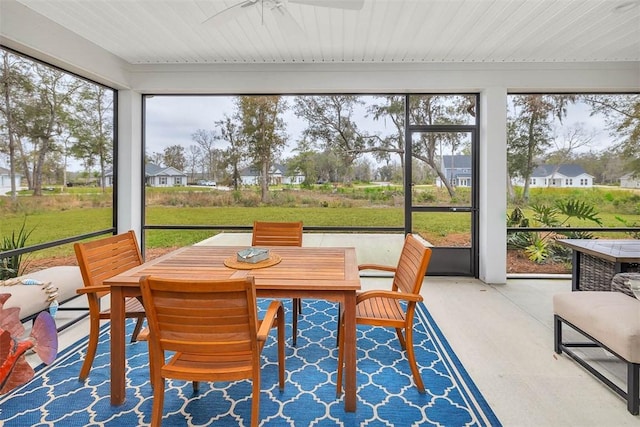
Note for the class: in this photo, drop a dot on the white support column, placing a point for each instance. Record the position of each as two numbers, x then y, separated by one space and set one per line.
130 162
493 185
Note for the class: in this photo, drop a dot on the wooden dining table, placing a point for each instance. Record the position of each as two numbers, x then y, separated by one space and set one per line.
303 272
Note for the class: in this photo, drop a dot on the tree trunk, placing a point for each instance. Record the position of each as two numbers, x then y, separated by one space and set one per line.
25 167
37 168
12 150
510 191
265 182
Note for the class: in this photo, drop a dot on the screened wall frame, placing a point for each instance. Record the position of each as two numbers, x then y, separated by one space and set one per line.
449 260
470 253
114 199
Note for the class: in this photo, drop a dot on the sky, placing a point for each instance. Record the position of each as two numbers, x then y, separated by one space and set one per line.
172 120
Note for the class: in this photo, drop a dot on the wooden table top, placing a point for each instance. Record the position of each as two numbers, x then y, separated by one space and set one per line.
621 250
301 268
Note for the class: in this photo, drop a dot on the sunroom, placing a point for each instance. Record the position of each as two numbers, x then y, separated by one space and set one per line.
477 52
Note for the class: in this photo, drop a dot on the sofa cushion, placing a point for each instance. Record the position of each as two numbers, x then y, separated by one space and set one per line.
32 299
612 318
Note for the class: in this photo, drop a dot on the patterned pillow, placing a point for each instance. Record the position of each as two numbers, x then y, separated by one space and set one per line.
620 282
50 290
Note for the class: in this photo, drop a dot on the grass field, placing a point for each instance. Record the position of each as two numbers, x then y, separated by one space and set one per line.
81 210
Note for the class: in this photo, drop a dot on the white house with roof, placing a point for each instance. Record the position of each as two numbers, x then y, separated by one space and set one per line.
630 180
5 180
156 176
278 174
457 168
561 176
160 176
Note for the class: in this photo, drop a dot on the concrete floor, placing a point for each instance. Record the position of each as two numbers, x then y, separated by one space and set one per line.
503 334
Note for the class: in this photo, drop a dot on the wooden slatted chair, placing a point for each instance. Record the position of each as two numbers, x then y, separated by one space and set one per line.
99 260
212 327
280 234
382 307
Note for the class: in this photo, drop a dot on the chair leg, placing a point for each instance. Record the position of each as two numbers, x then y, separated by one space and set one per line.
158 402
255 401
297 305
92 347
403 343
412 361
338 332
151 367
137 329
195 385
281 355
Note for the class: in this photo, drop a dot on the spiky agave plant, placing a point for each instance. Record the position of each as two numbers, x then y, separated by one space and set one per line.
12 266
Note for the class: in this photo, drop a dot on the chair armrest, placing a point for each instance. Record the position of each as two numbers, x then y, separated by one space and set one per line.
93 289
388 294
144 335
275 309
376 267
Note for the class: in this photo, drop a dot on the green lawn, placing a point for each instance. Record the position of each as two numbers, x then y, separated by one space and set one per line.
73 211
53 225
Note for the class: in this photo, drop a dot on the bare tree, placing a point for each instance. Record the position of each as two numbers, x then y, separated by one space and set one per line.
43 114
15 85
231 133
622 116
429 147
529 131
194 161
565 147
263 131
174 157
330 123
91 126
207 140
390 108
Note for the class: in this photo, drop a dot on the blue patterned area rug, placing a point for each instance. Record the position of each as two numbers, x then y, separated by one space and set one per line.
386 393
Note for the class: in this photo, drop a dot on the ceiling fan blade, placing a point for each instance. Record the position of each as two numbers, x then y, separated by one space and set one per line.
336 4
286 21
231 12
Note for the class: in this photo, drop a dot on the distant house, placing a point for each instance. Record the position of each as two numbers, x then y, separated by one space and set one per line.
156 176
5 178
159 176
277 175
630 181
457 169
564 175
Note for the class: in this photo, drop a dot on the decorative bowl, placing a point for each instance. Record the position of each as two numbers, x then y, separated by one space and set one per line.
253 255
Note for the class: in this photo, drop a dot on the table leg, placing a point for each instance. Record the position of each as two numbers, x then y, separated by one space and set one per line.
350 351
575 270
117 346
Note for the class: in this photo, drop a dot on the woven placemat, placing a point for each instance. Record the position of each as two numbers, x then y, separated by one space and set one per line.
232 262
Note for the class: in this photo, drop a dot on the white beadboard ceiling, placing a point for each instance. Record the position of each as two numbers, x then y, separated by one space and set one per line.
353 31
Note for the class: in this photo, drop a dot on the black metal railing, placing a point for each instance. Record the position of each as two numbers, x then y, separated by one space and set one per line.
55 243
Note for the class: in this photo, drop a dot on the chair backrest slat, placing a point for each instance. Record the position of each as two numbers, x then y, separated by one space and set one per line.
217 318
277 233
104 258
412 266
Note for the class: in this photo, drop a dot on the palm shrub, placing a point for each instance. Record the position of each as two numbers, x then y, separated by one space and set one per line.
633 233
11 266
541 246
